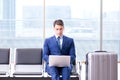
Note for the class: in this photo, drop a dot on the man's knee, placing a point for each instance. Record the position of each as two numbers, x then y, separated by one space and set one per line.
66 73
54 73
66 70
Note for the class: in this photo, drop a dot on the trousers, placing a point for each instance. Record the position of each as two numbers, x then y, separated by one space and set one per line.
55 73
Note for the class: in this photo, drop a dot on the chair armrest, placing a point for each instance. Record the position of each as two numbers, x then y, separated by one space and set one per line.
79 67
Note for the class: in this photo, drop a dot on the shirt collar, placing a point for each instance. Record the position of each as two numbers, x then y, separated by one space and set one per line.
58 36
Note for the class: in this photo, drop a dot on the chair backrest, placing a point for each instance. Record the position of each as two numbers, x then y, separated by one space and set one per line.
4 55
29 56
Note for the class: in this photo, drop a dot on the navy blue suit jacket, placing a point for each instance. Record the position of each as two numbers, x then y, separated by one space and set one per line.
51 48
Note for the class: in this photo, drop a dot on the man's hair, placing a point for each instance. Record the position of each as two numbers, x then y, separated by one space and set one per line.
58 22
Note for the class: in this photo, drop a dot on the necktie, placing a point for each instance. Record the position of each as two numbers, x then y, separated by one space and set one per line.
58 41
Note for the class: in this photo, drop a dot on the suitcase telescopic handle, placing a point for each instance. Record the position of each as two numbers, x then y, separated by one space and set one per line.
100 51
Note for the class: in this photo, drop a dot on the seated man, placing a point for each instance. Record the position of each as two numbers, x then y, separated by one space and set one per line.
59 44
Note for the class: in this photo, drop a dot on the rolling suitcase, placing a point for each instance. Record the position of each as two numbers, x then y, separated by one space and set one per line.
101 65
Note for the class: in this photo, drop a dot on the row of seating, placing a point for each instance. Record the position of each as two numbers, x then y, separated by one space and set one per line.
27 62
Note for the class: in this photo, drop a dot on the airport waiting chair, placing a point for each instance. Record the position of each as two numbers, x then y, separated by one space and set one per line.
76 71
28 62
4 62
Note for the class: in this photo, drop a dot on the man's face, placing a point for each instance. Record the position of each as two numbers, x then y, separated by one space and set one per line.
58 30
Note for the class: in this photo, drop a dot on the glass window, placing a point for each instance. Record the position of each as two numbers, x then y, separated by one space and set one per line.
6 12
1 9
25 23
111 26
81 18
29 23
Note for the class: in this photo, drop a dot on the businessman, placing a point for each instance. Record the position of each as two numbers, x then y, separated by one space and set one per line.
59 44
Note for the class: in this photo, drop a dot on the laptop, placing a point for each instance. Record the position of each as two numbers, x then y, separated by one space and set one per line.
59 60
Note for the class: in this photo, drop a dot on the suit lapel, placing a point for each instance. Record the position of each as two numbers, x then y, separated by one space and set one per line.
55 42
